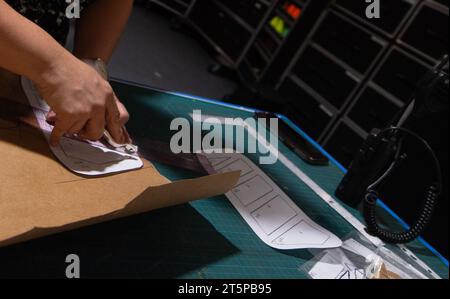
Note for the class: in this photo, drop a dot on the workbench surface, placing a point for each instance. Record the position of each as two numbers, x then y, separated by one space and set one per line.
204 239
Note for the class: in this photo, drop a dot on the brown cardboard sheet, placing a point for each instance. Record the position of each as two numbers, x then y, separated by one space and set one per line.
39 197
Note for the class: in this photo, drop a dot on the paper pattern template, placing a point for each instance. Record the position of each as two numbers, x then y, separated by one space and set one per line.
271 214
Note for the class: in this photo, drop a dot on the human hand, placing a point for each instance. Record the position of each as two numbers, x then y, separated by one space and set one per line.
83 103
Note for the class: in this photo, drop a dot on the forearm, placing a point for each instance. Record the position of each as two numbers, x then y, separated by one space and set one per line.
100 27
25 48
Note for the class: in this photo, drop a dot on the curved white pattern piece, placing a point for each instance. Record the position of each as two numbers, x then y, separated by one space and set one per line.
271 214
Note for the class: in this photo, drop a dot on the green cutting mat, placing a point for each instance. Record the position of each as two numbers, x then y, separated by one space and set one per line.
216 242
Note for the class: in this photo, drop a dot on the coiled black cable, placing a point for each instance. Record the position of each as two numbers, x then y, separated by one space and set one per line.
432 195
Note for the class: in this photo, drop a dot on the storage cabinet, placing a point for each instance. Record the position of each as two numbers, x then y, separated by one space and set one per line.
346 41
373 109
366 70
393 13
305 110
220 28
251 12
399 74
321 73
428 32
279 28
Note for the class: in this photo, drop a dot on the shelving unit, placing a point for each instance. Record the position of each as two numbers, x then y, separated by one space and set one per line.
230 26
281 22
349 91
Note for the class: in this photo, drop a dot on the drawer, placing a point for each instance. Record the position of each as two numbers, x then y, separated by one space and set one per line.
400 74
325 76
252 12
347 41
229 35
393 12
344 144
373 110
304 110
428 32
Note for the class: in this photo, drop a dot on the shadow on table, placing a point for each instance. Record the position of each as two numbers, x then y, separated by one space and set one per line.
169 243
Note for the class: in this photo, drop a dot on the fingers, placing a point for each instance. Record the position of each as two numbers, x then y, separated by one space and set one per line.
77 127
85 128
112 116
56 135
113 121
124 116
51 118
58 132
126 136
94 128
